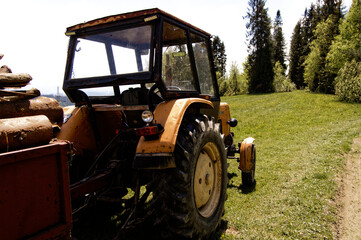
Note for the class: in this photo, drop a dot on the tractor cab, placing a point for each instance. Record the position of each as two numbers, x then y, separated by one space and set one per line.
139 58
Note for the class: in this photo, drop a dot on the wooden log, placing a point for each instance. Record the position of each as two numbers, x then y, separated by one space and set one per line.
5 69
14 80
24 132
38 106
6 95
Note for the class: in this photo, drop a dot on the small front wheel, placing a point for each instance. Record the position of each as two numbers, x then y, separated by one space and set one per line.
248 178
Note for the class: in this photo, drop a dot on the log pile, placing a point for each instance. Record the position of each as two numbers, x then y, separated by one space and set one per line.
26 118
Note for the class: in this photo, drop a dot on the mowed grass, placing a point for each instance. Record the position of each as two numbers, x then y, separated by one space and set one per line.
301 139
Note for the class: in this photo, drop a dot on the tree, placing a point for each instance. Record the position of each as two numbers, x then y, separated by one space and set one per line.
260 72
234 77
310 20
316 75
303 35
331 7
281 83
347 45
243 80
348 82
296 50
278 41
219 55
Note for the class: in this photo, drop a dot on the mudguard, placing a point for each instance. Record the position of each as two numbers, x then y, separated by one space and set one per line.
247 157
158 153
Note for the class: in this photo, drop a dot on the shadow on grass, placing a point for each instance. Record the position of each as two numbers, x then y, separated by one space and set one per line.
231 175
97 224
222 228
248 189
244 189
100 223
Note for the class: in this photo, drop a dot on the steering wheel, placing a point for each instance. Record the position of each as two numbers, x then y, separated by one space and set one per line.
150 96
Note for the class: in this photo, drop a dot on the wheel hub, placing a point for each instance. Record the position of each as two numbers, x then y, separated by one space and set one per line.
207 180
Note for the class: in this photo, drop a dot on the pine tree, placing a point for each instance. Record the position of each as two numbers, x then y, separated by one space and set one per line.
278 41
331 7
219 55
303 35
309 22
260 72
296 50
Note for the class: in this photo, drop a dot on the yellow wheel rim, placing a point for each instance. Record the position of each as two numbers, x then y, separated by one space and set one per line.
208 180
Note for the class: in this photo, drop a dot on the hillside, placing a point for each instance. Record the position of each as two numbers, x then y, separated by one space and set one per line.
301 141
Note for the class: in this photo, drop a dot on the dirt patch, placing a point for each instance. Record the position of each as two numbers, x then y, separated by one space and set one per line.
232 231
349 199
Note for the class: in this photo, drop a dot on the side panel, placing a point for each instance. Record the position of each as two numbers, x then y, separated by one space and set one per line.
170 115
78 130
34 193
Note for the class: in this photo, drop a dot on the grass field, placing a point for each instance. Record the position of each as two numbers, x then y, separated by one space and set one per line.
301 139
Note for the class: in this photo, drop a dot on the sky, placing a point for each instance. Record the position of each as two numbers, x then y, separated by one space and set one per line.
32 35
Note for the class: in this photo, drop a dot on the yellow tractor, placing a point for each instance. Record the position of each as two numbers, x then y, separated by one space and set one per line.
148 128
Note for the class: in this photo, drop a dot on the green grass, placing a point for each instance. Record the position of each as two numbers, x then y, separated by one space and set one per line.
301 139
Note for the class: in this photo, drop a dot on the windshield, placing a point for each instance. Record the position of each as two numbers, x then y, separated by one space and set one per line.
112 53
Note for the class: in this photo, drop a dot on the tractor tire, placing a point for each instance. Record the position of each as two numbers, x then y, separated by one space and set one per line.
193 194
248 178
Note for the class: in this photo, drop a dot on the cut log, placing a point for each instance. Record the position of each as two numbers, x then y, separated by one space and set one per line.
24 132
38 106
6 95
5 69
14 80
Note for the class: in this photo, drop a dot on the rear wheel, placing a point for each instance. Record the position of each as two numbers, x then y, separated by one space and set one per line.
194 193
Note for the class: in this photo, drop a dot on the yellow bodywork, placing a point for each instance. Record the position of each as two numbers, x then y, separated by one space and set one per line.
78 129
247 155
225 116
170 115
82 132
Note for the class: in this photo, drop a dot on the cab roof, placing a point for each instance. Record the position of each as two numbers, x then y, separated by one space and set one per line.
147 14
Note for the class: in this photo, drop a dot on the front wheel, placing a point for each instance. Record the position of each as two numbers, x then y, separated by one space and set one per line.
194 193
248 179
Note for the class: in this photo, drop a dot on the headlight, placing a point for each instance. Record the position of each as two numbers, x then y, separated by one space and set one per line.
147 116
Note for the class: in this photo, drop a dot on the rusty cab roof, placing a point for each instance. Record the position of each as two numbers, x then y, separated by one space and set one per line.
148 14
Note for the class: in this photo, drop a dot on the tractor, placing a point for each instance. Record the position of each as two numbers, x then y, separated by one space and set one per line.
147 129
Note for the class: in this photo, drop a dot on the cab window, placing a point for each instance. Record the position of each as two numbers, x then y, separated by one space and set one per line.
200 50
177 73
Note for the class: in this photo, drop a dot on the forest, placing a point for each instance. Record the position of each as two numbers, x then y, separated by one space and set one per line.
324 54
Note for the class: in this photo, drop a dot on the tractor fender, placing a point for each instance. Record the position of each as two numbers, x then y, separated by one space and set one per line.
247 156
170 115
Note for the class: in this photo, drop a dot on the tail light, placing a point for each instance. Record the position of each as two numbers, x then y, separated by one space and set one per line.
150 132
